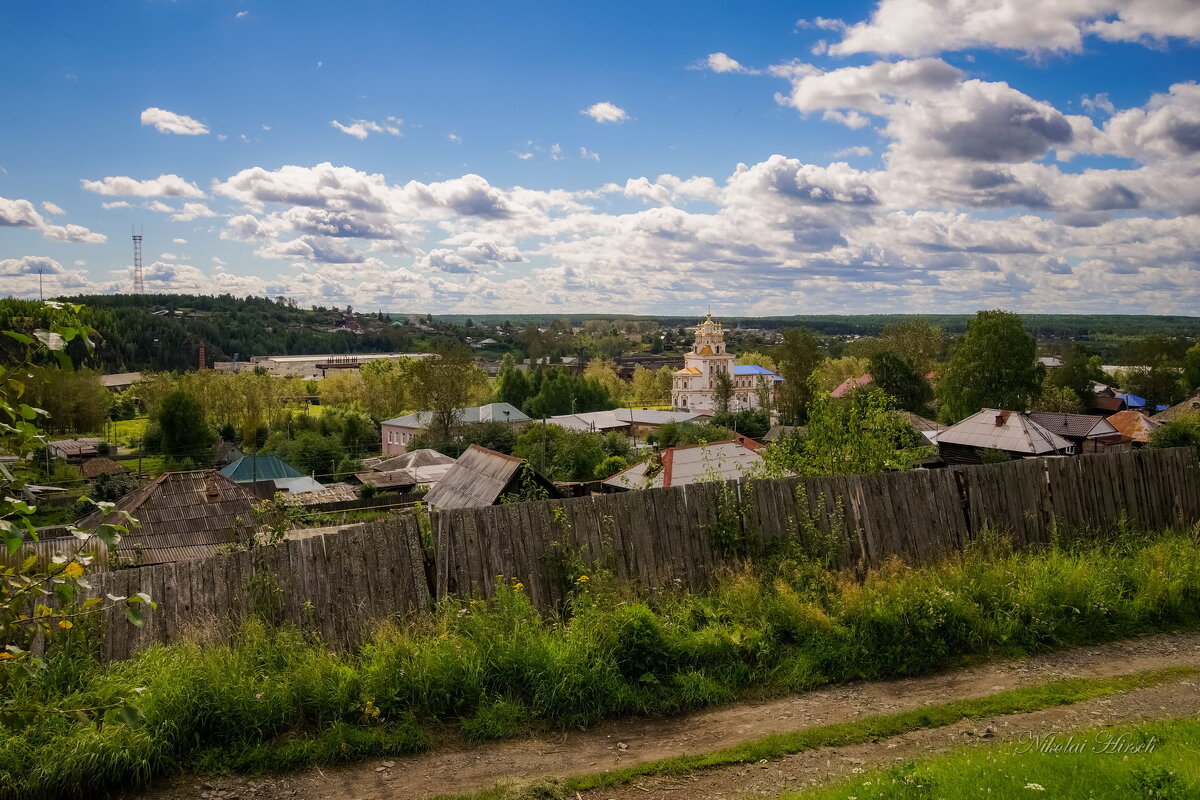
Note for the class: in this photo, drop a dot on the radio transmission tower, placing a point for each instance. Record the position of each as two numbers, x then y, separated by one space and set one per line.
139 283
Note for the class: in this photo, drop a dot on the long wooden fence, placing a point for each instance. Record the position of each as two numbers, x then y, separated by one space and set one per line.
337 583
332 584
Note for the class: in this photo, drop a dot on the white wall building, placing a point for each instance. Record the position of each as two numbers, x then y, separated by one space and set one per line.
694 388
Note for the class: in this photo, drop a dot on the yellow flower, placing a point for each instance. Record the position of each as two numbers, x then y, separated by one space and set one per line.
65 624
6 656
582 579
519 585
74 570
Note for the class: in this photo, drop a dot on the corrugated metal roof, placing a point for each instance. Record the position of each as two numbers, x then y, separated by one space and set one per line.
295 485
73 448
478 478
751 369
1134 424
333 493
1189 406
414 458
1009 431
1077 426
679 466
492 412
183 515
1132 400
260 467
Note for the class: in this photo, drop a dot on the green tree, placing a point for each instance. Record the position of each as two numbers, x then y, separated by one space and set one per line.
1159 383
1062 399
512 385
901 381
855 435
1182 432
796 358
184 432
993 365
444 386
1077 372
681 434
918 342
1191 368
29 587
723 393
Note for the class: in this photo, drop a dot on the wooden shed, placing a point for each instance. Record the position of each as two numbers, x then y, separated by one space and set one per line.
481 477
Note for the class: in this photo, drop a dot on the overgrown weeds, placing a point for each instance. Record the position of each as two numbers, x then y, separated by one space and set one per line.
277 698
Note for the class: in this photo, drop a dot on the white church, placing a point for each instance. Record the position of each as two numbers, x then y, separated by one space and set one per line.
695 386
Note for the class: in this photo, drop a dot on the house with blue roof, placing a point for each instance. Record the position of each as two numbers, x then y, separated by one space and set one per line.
694 388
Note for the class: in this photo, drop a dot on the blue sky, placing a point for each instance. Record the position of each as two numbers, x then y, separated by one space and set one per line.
900 155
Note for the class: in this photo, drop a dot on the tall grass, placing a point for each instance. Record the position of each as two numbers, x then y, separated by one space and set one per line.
278 698
1162 765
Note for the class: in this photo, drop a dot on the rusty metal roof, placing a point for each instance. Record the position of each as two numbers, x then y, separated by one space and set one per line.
183 516
1134 424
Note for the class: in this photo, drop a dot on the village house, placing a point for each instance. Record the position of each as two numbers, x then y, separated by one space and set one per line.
1012 433
181 516
396 434
694 388
1088 432
266 474
636 423
680 466
1134 425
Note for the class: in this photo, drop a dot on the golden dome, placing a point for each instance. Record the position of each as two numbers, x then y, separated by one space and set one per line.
706 351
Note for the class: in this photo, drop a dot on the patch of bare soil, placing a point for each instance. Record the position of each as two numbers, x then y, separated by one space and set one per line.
614 744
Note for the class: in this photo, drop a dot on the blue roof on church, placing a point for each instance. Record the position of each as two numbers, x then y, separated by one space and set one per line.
750 369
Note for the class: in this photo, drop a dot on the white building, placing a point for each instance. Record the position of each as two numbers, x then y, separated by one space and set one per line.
694 388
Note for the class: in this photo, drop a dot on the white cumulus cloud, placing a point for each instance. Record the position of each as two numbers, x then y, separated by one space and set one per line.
362 128
169 122
606 112
163 186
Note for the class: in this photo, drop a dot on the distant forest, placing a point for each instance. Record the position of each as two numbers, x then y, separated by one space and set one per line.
164 332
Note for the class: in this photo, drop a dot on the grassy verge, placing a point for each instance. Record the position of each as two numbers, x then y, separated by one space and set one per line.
278 699
1156 760
1016 701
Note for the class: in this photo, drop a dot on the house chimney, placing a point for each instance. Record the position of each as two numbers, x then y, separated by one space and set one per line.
1001 418
210 487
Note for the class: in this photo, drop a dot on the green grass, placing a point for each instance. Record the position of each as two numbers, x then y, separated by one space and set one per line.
1016 701
276 699
1171 771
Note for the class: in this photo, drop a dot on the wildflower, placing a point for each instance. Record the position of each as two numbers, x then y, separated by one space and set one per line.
65 624
582 579
74 570
518 586
6 656
1037 787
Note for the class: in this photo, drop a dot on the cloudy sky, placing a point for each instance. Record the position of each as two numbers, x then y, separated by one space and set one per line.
764 158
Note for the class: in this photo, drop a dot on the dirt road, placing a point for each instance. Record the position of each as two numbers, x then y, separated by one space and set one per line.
622 743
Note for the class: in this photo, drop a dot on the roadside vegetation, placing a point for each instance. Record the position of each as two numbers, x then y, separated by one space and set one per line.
269 699
1163 766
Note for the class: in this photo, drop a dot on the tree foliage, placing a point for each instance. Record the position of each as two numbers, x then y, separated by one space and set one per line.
184 432
857 434
902 381
796 357
40 598
569 455
444 386
993 365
